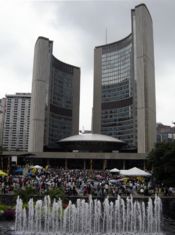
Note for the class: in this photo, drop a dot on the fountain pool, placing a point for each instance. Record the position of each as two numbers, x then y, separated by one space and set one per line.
121 217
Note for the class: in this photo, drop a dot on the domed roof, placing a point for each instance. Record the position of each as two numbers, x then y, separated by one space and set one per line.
92 138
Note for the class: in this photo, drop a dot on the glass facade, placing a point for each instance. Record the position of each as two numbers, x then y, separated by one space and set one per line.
117 92
60 116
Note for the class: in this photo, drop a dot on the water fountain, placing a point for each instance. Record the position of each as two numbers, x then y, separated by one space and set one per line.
91 218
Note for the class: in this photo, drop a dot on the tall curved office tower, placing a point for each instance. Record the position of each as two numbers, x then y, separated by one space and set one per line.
124 86
55 98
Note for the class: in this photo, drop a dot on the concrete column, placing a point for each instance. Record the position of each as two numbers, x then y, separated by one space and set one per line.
145 78
104 164
84 164
2 165
96 116
8 165
65 166
91 164
124 164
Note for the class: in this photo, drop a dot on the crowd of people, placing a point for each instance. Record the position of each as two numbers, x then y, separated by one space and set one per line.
82 183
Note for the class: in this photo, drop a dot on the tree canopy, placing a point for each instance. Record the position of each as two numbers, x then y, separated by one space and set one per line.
162 160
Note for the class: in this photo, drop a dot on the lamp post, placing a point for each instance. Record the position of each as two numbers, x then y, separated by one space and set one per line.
173 134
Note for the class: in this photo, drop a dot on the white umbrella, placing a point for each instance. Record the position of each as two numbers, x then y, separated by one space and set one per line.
37 167
115 181
134 172
114 170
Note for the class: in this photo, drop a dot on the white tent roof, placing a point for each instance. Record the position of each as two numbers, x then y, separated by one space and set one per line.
114 170
134 172
91 137
123 172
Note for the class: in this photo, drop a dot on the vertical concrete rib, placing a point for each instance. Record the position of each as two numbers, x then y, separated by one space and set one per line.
75 101
96 116
40 83
145 79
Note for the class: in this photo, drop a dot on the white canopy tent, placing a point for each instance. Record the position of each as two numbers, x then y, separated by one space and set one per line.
123 172
134 172
114 170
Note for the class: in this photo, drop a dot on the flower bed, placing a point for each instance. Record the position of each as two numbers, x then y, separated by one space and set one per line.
7 213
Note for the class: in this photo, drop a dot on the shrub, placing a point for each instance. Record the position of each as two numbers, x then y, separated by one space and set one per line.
6 212
56 193
3 207
1 215
9 214
26 194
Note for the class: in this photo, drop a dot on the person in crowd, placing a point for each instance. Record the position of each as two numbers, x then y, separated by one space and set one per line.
76 182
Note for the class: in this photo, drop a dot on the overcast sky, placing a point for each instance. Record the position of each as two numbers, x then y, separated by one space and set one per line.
76 27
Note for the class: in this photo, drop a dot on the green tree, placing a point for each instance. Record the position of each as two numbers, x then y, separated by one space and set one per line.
162 160
56 193
26 194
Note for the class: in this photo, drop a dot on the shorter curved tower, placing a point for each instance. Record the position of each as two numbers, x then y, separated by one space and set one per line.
124 86
55 98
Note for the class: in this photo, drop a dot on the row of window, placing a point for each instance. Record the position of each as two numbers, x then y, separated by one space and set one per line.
61 89
116 57
116 77
125 137
124 62
16 137
116 51
116 66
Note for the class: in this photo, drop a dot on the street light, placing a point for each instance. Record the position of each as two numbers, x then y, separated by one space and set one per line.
173 130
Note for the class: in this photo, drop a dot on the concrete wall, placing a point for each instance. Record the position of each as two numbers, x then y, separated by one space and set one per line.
40 83
145 78
88 155
96 121
75 101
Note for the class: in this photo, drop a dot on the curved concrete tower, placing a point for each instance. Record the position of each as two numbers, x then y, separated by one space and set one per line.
55 98
124 86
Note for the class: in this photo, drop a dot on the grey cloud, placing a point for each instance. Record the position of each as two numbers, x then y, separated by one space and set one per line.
91 19
94 17
88 19
15 58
